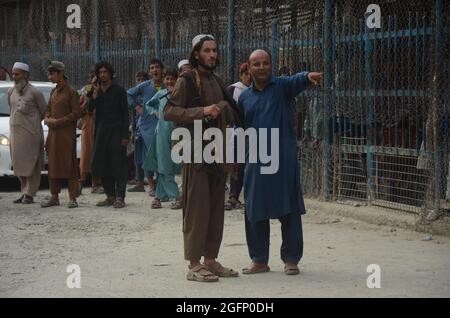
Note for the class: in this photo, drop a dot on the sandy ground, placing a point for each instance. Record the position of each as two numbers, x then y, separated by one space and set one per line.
137 252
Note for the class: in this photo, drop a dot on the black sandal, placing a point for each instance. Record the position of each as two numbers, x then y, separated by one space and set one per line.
19 200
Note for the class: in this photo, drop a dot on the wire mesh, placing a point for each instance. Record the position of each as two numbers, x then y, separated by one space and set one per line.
378 131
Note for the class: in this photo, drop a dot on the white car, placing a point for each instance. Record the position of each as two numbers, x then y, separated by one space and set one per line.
5 156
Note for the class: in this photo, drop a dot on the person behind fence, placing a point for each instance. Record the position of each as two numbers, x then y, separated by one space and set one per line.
61 117
268 104
109 156
159 155
184 66
145 124
237 177
200 95
27 106
87 138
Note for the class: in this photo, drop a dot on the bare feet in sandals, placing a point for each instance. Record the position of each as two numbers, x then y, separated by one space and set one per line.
255 268
221 271
200 273
176 205
291 269
156 204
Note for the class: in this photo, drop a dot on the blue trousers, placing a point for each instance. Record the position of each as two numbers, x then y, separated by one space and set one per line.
140 151
167 187
258 239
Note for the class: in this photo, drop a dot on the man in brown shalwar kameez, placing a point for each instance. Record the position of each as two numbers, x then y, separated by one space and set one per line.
87 138
200 95
61 118
27 138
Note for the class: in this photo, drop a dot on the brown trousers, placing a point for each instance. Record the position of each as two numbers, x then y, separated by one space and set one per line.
72 184
203 212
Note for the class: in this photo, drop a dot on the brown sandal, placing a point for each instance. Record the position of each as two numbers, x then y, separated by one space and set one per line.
119 203
107 202
255 269
291 270
221 271
27 199
176 205
156 204
200 273
232 204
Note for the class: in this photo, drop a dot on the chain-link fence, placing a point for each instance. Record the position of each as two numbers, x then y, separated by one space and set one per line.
377 132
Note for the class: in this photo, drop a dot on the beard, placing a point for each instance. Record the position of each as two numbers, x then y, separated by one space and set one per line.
206 66
20 84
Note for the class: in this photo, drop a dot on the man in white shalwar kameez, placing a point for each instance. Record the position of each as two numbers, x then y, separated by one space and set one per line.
27 106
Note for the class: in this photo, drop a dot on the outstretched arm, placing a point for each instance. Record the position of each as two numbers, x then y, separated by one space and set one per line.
316 78
294 85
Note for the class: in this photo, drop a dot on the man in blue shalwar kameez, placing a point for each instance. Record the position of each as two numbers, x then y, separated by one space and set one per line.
138 96
268 104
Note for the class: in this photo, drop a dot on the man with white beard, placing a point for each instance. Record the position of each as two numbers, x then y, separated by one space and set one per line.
27 138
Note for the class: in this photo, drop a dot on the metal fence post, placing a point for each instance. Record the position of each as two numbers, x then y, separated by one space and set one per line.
274 46
230 41
5 26
438 101
146 53
54 41
157 19
53 45
97 31
327 101
368 50
19 33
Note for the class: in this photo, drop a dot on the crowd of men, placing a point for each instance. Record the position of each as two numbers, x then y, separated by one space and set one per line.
145 115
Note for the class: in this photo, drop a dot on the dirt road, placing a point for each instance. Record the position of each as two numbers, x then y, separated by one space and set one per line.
137 252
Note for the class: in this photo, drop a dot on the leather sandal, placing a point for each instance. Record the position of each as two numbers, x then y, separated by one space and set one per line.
119 203
252 269
291 270
156 204
107 202
221 271
200 273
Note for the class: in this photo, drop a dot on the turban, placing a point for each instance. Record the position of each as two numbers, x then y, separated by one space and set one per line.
21 66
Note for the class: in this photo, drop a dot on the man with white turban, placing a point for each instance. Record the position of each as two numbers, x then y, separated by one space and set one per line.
201 95
27 138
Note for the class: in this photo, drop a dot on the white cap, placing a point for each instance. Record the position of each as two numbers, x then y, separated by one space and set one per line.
199 37
21 66
183 62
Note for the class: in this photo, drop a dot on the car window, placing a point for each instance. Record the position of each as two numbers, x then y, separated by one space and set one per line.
4 107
